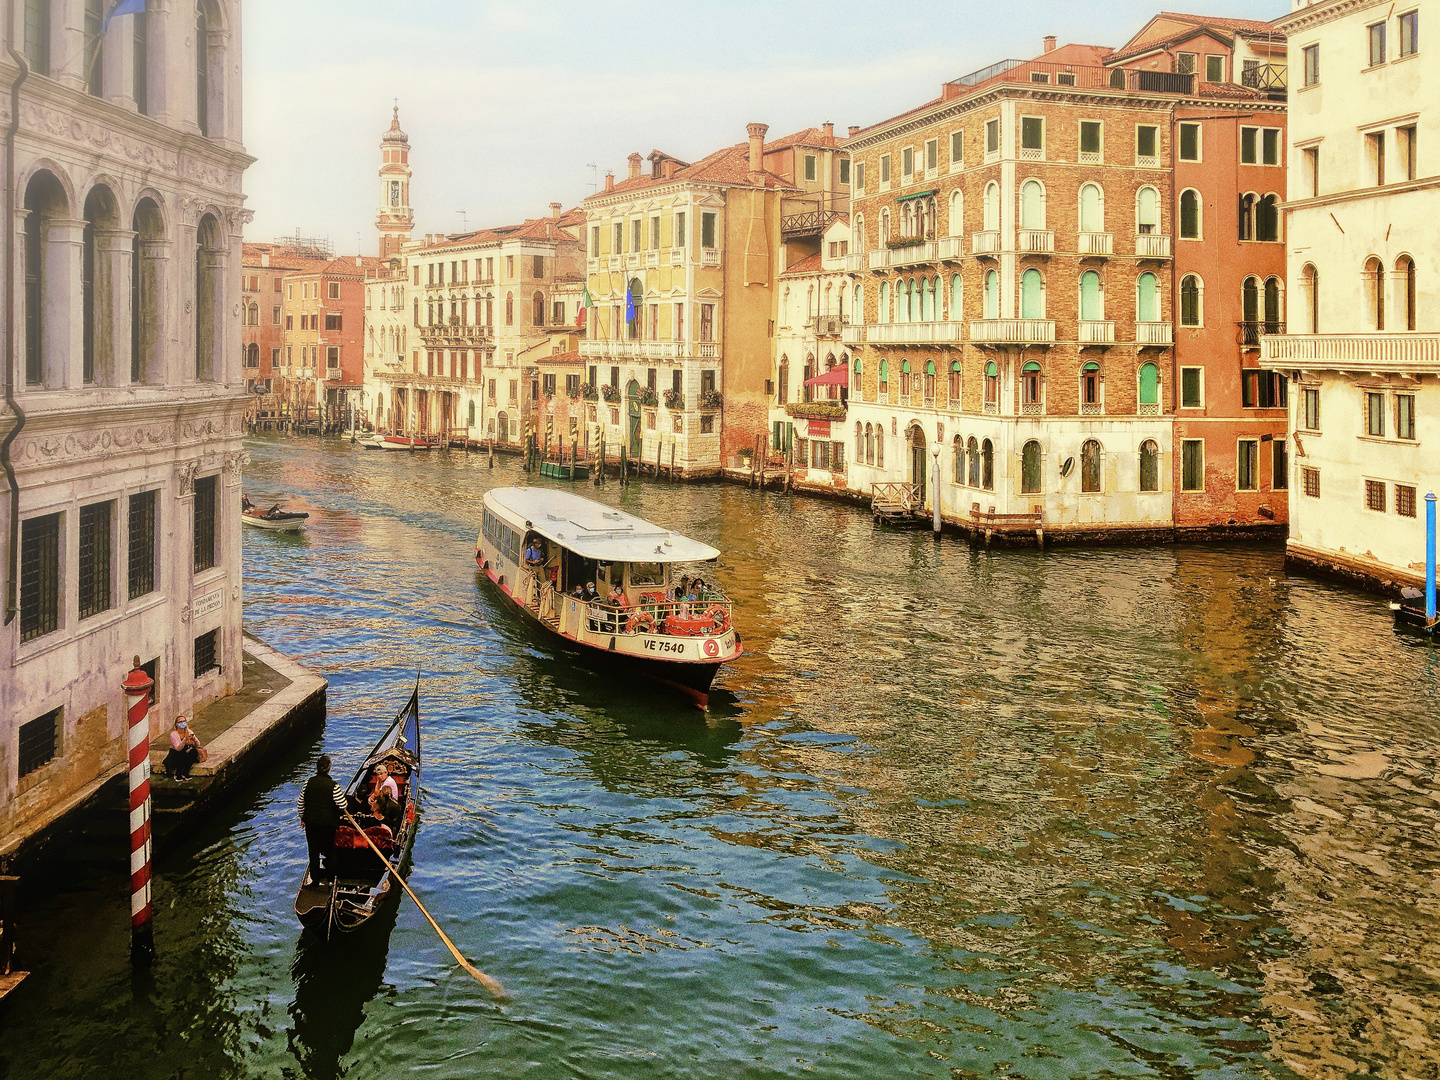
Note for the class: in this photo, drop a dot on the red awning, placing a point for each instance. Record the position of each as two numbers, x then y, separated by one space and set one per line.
839 376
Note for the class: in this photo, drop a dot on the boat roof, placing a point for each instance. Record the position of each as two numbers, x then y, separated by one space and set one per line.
594 530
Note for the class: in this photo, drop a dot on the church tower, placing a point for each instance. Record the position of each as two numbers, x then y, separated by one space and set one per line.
394 219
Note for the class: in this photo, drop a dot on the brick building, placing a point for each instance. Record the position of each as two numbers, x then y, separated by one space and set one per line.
263 269
323 315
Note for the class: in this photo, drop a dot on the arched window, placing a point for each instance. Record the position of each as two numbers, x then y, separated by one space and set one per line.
97 287
884 226
957 213
1030 468
252 355
1092 303
884 378
953 390
883 314
209 300
1267 219
879 446
1092 208
1246 219
1032 205
537 309
991 209
1250 301
869 455
1310 282
807 393
957 450
992 386
987 465
47 297
859 232
1375 293
859 441
935 299
926 297
929 381
917 295
254 314
904 379
957 308
973 452
1405 292
509 309
144 292
1090 466
1191 309
210 64
855 372
1147 211
1149 386
1190 214
1274 316
1147 298
992 294
1032 295
1090 384
503 427
1149 466
857 306
1030 376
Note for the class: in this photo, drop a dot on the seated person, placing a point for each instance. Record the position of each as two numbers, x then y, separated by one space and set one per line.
589 592
388 810
617 596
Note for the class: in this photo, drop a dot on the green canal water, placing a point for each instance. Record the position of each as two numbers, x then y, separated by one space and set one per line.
1089 813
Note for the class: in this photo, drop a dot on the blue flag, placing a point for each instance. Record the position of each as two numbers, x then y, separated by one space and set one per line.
123 7
630 315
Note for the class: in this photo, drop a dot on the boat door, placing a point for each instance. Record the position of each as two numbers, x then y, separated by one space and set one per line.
917 461
632 394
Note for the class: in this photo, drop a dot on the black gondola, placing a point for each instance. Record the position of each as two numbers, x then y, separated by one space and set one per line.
363 883
1410 615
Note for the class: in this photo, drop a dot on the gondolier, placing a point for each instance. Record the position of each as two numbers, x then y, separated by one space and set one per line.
321 804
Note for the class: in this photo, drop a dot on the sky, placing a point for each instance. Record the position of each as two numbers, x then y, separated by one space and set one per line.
510 106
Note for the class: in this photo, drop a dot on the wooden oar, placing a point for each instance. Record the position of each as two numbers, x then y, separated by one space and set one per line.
479 976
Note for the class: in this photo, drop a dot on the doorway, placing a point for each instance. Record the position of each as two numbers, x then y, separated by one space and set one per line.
632 395
917 460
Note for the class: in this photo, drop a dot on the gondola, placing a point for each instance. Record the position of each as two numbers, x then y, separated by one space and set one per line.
363 883
273 519
1410 617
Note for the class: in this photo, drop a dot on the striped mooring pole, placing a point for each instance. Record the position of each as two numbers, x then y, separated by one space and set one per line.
137 688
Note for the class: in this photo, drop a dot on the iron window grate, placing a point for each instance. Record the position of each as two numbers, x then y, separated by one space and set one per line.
205 523
39 576
205 647
141 548
1404 501
95 558
38 741
1375 495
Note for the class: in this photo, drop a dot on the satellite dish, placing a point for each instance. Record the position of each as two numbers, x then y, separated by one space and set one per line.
1068 467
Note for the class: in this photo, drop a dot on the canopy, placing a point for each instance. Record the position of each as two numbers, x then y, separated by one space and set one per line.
839 376
593 530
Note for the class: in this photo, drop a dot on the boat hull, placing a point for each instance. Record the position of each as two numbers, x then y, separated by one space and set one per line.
1411 620
294 524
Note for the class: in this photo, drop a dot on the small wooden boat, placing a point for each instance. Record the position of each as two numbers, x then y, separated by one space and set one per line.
677 641
372 442
273 519
1410 615
363 883
564 470
408 442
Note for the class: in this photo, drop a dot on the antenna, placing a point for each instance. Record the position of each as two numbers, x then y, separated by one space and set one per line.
594 176
464 221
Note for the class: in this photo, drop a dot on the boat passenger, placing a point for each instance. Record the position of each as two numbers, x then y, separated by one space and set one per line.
698 587
590 592
532 553
185 751
384 785
617 596
320 804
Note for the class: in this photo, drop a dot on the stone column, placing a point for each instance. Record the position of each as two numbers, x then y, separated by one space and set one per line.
113 251
68 60
182 288
156 272
118 57
62 319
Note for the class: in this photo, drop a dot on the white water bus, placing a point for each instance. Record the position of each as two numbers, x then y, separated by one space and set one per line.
575 543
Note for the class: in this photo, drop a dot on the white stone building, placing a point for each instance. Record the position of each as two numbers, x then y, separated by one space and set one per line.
122 424
1363 354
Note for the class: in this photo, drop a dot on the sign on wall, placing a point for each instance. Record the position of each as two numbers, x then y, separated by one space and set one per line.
207 604
818 429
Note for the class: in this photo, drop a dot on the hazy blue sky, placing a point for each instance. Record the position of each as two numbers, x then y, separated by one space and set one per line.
508 104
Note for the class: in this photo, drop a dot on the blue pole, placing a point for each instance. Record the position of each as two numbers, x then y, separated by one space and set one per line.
1430 559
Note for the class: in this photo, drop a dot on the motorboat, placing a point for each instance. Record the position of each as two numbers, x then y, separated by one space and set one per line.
274 519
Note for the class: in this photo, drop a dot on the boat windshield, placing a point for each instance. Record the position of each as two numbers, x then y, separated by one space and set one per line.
647 574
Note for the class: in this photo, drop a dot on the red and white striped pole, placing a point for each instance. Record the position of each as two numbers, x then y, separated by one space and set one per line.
137 688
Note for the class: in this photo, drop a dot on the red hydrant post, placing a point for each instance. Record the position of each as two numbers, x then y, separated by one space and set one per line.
137 688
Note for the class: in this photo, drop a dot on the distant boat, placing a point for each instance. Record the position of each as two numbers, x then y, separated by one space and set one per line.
363 882
679 642
273 519
409 442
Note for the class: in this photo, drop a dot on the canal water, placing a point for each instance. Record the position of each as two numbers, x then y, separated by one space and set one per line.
1163 812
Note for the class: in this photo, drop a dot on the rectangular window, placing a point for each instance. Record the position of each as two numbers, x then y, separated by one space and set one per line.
1089 140
594 241
1192 388
992 136
675 380
334 290
907 162
332 356
1409 33
1249 146
1376 31
707 423
615 377
932 155
95 558
1310 481
332 320
654 233
1405 416
635 235
884 168
1405 151
1214 68
707 322
1279 466
1375 496
1375 157
1375 414
289 322
1192 464
39 576
548 385
1404 501
557 313
538 263
844 170
707 230
957 149
1310 399
1270 146
1311 54
1189 142
680 229
1247 465
1147 141
1032 133
207 652
811 166
859 177
1187 62
204 512
39 739
275 316
619 239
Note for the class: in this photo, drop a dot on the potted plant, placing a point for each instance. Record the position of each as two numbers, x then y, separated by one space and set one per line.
710 399
610 393
588 392
675 400
649 397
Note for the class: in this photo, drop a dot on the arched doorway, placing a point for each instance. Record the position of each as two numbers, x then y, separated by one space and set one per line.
917 459
632 397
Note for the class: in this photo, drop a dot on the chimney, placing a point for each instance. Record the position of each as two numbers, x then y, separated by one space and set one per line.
854 130
757 146
828 128
265 258
609 180
634 160
1049 42
667 168
359 261
555 211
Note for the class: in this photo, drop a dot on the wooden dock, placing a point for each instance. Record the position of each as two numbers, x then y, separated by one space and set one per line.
897 505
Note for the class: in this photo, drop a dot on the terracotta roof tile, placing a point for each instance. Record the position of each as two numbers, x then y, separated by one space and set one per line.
808 265
730 166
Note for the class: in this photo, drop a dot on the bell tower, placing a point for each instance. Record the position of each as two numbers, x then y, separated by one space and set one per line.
394 219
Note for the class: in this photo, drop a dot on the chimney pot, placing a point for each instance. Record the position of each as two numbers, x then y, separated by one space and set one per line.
555 210
854 130
828 128
1049 43
757 146
634 160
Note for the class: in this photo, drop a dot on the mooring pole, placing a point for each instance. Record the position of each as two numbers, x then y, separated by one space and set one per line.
137 687
1430 559
936 523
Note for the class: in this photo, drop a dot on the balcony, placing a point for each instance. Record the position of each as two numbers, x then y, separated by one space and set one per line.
652 260
1251 331
594 266
707 349
1152 245
809 223
855 262
853 335
1013 332
951 248
985 243
914 254
709 256
1097 331
1154 334
1037 241
1269 78
1092 408
825 325
1097 243
915 333
823 409
1398 353
879 259
676 257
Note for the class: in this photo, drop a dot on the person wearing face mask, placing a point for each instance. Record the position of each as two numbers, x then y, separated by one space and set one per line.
185 751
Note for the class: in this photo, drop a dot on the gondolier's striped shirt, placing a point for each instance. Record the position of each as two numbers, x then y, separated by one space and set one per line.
336 793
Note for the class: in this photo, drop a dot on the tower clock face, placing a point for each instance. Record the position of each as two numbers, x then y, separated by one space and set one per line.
394 192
